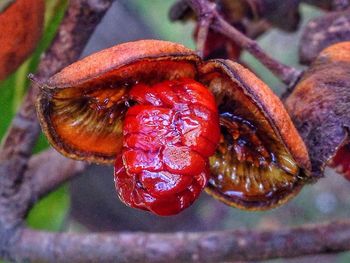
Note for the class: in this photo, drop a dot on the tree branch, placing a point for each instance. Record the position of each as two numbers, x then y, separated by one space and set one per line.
203 8
48 170
183 247
204 23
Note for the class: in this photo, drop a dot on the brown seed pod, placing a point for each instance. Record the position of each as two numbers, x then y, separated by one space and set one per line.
21 26
320 108
322 32
261 160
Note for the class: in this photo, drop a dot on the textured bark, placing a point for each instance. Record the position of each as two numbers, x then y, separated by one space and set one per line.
183 247
49 170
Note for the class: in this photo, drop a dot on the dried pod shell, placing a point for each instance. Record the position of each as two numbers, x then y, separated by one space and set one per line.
257 164
320 105
82 107
322 32
81 110
21 26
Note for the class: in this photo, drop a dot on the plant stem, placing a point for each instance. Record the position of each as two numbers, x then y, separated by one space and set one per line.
204 10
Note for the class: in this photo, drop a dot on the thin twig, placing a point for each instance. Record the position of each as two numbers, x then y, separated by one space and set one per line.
287 74
225 246
204 23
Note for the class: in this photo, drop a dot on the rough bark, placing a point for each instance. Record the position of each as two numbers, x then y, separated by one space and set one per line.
225 246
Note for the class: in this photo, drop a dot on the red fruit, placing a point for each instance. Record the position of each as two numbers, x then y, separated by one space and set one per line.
168 137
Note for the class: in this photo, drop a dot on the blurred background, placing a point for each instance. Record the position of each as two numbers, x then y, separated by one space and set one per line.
89 203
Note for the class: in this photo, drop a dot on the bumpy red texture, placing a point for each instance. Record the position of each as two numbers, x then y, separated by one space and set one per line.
168 136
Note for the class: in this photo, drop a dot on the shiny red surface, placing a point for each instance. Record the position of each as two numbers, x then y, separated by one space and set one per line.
168 136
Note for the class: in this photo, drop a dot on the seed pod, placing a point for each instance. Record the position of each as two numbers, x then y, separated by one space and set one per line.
260 161
321 32
320 108
21 26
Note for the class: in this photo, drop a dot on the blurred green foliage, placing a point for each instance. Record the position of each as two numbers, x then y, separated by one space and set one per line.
51 212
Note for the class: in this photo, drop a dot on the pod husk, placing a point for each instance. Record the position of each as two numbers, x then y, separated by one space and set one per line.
21 27
116 67
267 106
65 96
320 105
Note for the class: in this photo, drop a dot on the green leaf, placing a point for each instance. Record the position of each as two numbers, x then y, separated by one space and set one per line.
6 98
51 212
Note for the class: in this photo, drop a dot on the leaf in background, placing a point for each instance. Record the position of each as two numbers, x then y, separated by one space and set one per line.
50 213
6 98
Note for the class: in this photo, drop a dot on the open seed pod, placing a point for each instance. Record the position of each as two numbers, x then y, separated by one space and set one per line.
260 161
320 108
322 32
21 26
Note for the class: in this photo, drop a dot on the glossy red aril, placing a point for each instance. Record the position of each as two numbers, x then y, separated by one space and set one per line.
150 104
168 136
